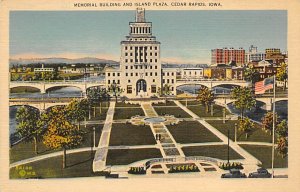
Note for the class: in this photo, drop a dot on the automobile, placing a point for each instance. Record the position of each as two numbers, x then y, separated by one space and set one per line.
234 173
261 173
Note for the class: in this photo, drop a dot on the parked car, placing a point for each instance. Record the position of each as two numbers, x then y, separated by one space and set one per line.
234 173
261 173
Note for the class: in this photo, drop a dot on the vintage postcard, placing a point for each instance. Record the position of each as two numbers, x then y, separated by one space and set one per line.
149 95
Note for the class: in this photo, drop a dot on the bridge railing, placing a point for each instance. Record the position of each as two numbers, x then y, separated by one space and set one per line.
59 82
211 80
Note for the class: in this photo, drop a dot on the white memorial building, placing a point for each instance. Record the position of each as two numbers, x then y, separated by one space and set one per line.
140 74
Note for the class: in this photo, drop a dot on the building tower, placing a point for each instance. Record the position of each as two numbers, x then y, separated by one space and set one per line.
140 64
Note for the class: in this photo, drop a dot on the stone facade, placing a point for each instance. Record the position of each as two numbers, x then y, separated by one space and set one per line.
140 73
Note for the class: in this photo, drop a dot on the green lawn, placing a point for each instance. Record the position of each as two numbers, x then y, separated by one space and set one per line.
214 151
264 154
123 104
169 103
191 132
95 111
26 150
201 111
127 113
127 156
128 134
78 165
190 102
256 134
176 111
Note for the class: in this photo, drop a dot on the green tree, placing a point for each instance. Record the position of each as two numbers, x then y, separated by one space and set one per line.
115 90
282 73
61 133
251 75
245 126
282 138
282 146
282 129
76 110
97 95
28 125
244 99
164 91
205 96
267 122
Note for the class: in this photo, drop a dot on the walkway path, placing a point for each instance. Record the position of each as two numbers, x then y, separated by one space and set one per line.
54 154
250 162
102 149
167 143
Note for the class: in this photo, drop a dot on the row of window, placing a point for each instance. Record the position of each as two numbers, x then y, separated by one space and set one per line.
153 89
150 47
140 66
190 73
168 81
141 54
168 73
137 74
113 74
113 81
153 80
140 60
141 39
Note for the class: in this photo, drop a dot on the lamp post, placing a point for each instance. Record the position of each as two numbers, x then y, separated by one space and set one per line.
228 147
224 115
94 136
235 129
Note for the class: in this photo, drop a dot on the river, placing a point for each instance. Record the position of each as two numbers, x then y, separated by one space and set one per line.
255 114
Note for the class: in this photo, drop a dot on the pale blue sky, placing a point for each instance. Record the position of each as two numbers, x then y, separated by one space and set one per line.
185 36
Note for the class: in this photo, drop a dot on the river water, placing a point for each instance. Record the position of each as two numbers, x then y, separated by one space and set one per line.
255 114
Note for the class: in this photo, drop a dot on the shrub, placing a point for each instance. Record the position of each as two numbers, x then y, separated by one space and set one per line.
231 165
183 168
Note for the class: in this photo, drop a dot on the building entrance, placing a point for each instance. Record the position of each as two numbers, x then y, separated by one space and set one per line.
141 86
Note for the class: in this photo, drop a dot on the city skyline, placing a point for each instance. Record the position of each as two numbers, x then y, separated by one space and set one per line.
185 36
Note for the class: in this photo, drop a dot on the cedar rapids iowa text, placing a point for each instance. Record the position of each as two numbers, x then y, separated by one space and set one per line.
148 4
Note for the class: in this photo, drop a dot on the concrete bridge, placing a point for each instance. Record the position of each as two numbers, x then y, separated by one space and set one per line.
38 104
211 83
268 101
44 86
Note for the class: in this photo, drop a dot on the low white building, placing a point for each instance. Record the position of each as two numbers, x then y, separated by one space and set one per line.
192 73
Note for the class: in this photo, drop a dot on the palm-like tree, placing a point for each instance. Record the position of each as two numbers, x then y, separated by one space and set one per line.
205 96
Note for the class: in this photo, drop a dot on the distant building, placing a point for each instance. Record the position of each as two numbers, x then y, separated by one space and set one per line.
253 55
226 56
275 55
43 69
192 73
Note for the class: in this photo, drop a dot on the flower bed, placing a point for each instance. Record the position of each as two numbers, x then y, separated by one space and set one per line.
231 165
137 170
180 168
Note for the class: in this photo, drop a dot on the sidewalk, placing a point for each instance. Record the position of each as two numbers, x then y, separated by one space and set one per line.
250 162
102 149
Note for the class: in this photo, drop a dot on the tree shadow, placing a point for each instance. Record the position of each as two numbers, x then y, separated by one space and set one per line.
80 162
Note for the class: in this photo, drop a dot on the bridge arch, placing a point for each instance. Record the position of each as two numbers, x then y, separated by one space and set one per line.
24 88
56 87
26 105
189 87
